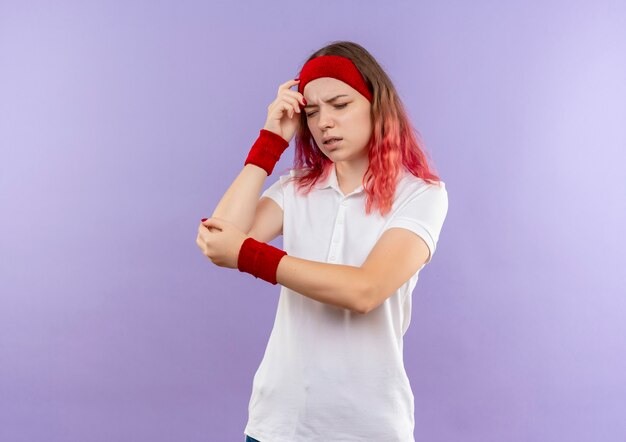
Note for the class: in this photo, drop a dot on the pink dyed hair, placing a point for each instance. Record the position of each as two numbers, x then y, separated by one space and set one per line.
393 145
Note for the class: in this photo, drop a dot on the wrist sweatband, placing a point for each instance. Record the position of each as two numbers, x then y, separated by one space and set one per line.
335 66
259 259
266 150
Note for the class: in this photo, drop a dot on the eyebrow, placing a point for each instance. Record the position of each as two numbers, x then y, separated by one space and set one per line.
330 100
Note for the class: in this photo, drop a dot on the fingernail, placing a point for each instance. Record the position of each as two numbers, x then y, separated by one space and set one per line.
304 100
204 219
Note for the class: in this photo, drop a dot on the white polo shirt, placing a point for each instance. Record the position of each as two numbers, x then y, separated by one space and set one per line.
329 374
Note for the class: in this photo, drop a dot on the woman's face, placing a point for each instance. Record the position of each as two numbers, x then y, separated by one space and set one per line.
348 116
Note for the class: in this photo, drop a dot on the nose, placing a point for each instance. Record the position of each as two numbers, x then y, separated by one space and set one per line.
325 120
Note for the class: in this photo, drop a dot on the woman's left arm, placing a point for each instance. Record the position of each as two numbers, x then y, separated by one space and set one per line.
396 256
336 284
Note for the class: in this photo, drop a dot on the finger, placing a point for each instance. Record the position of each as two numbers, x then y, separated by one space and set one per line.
293 102
201 246
201 241
214 222
288 84
286 108
297 95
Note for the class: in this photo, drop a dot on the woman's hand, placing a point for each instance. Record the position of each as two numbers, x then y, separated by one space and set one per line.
284 113
220 241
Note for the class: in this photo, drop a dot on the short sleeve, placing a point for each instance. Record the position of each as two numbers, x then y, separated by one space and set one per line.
275 192
424 214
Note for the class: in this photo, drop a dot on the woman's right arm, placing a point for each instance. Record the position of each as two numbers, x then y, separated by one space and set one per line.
239 203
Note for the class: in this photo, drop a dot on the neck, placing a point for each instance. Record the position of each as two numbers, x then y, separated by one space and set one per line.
350 173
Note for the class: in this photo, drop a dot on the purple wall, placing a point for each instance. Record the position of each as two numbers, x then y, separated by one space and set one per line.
121 125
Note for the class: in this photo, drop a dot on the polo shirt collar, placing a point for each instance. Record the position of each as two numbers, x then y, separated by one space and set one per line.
331 181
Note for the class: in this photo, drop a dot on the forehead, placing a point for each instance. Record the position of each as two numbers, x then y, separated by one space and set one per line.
325 87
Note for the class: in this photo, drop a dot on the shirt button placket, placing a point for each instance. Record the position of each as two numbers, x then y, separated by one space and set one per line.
336 239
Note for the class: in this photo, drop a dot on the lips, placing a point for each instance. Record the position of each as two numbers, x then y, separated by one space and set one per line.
330 140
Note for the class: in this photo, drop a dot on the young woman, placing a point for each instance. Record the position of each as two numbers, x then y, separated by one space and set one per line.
360 214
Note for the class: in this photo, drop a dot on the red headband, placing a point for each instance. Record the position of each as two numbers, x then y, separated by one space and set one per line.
334 66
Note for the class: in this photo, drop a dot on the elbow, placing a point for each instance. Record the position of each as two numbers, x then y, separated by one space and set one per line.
365 302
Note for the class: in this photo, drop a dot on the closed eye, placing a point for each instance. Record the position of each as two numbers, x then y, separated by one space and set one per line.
338 106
